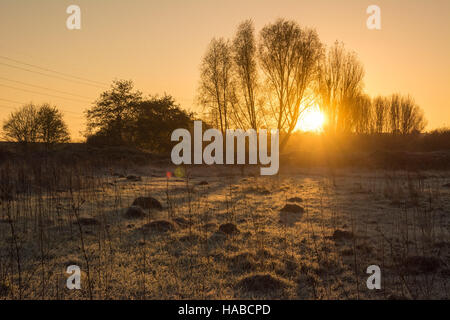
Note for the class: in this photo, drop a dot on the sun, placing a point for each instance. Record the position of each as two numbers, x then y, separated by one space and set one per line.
312 120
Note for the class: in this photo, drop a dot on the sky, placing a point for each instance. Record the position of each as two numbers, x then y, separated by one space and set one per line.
159 45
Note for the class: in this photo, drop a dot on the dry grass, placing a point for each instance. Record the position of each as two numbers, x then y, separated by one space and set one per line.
299 235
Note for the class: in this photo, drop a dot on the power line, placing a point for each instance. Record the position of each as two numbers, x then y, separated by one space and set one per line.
23 103
2 106
12 101
53 71
45 88
45 94
51 76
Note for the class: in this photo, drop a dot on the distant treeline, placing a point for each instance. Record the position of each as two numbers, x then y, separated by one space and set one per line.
121 116
423 151
435 140
262 82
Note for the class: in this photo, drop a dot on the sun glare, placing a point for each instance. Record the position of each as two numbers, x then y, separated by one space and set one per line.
312 120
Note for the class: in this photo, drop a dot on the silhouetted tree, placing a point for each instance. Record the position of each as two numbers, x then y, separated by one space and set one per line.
405 115
245 110
216 90
52 128
123 117
114 111
395 113
33 123
340 81
380 113
156 119
289 57
362 115
412 119
22 125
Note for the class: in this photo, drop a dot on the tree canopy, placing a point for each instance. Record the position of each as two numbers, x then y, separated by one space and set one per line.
123 116
33 123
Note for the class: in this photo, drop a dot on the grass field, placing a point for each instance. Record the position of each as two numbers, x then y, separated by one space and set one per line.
224 233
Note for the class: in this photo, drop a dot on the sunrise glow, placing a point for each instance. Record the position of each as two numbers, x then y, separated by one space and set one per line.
311 121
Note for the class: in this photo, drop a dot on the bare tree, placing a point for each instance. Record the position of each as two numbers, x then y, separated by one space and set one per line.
36 124
412 117
289 56
216 87
340 82
380 110
22 125
395 113
406 116
246 73
362 115
52 128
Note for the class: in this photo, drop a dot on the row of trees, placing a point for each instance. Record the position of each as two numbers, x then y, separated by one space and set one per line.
340 95
121 116
231 85
394 114
269 81
34 123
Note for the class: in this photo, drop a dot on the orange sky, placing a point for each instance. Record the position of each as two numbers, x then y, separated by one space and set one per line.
159 45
